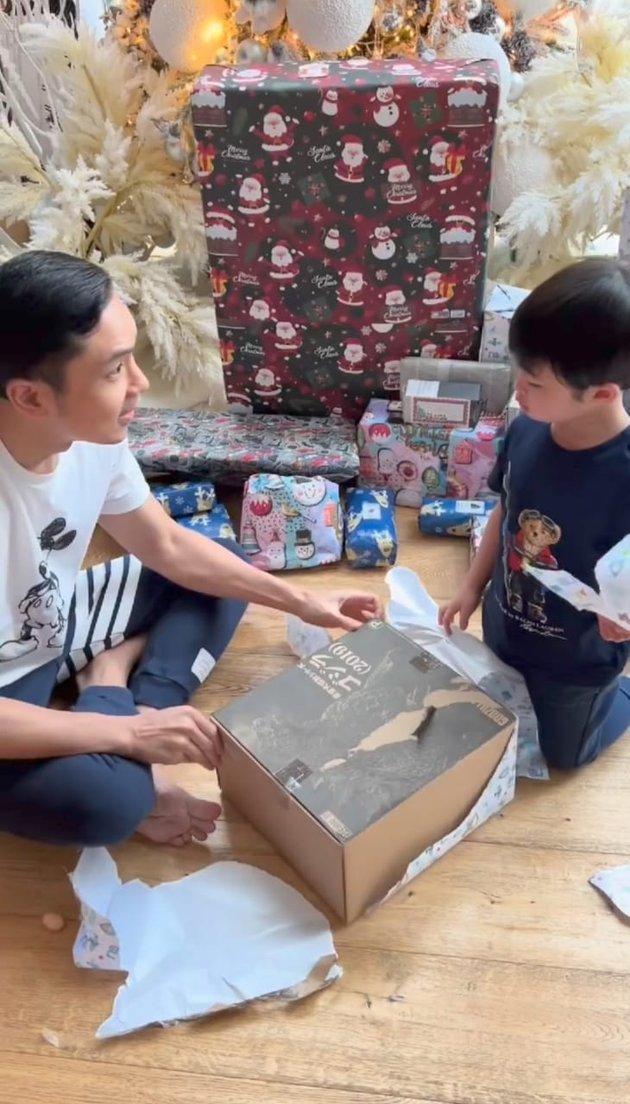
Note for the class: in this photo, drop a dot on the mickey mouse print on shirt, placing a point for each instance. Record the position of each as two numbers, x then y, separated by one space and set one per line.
42 610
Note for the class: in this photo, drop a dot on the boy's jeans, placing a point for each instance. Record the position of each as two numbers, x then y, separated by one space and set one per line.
577 723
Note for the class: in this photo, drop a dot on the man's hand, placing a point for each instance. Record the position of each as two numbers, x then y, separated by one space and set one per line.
340 611
464 603
612 632
178 735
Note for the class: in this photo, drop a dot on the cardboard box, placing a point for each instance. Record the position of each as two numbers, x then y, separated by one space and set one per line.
409 460
346 215
453 404
496 321
358 759
495 380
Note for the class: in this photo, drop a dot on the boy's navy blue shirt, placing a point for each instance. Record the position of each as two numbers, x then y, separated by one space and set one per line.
562 509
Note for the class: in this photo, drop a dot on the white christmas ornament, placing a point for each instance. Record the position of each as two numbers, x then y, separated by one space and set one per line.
482 47
521 168
329 25
187 34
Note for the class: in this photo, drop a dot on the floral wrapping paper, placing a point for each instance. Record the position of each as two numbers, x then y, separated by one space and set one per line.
371 538
410 460
214 523
227 448
288 522
181 500
346 212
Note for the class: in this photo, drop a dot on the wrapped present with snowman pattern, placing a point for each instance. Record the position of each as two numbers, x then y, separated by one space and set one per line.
346 206
289 522
409 460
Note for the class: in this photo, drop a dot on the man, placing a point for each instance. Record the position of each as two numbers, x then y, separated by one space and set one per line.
141 633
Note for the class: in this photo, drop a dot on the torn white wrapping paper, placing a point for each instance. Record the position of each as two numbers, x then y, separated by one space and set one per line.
413 612
612 573
615 885
226 935
304 640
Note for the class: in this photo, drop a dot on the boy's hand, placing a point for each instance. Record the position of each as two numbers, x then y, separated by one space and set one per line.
612 632
464 603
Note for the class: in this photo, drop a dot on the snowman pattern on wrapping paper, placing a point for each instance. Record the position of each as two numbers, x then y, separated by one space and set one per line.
291 522
309 167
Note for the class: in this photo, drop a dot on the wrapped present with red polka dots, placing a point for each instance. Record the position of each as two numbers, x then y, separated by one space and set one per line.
346 207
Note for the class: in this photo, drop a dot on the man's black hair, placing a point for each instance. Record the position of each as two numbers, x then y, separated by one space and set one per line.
49 303
578 323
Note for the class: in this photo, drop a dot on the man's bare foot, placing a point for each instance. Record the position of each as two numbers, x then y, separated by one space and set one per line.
113 667
178 817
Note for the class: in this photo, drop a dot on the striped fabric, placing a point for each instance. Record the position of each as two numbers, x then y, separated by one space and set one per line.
99 612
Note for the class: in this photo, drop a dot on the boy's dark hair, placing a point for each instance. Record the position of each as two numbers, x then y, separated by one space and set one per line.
49 303
578 322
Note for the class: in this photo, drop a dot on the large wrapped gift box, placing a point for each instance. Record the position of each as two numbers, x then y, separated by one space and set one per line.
409 460
228 448
346 213
362 757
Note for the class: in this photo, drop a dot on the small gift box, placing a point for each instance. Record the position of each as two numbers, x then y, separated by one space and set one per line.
496 321
370 527
213 523
185 499
477 531
471 457
452 517
290 522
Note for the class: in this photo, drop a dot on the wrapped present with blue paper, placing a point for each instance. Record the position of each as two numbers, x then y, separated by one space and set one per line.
370 527
288 522
185 499
452 517
214 523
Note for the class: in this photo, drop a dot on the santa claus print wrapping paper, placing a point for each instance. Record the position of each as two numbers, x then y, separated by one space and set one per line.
346 213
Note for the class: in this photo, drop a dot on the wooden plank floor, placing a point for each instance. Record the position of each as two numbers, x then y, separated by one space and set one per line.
515 974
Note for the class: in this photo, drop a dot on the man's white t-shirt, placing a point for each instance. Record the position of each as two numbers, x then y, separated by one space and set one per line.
46 524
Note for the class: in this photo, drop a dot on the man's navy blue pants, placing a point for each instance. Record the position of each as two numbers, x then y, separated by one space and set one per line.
100 800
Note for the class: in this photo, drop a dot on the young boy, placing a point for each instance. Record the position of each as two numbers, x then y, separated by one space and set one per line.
564 480
142 632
